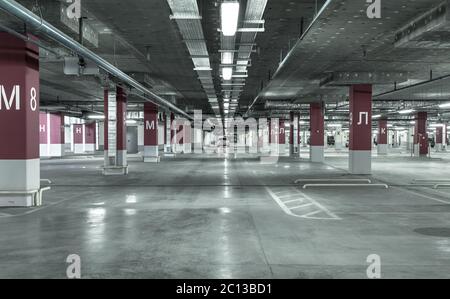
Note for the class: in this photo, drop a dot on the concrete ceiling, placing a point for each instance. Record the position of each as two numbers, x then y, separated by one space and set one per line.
345 40
139 37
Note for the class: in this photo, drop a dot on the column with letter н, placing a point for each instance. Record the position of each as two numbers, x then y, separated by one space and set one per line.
151 151
19 123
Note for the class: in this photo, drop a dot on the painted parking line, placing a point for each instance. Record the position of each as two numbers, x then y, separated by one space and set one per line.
299 204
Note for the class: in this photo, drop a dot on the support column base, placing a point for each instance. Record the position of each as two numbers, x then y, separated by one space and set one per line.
282 149
382 149
122 158
52 150
115 170
293 151
19 182
360 162
78 149
170 154
417 153
16 200
317 154
152 159
90 148
151 154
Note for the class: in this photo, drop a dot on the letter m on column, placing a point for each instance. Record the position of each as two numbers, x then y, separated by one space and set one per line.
150 125
8 101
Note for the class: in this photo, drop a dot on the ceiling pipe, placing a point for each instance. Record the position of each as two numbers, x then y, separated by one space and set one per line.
284 105
49 30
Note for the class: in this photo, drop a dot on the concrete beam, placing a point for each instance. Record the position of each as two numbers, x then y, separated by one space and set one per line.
350 78
416 33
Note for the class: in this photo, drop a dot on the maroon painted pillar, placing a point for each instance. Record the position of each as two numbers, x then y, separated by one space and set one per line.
299 134
281 137
106 126
317 133
360 144
292 135
180 139
382 141
151 147
44 133
19 121
78 138
439 138
165 131
173 133
187 142
57 135
90 137
270 131
260 136
421 135
121 141
51 134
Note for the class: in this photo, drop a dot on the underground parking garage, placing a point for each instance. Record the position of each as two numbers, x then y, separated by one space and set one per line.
217 140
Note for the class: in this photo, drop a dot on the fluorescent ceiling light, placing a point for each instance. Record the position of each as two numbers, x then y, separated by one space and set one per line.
240 76
229 12
96 116
203 68
252 30
376 116
227 73
334 125
446 105
437 125
226 105
407 111
131 122
227 58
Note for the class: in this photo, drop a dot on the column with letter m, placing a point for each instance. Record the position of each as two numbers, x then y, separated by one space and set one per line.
19 122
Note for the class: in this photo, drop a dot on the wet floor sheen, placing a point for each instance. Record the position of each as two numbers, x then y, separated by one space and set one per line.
193 217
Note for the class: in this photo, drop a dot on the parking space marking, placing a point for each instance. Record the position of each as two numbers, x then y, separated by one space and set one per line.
423 195
306 208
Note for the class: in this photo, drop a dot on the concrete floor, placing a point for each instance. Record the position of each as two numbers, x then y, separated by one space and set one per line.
194 217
